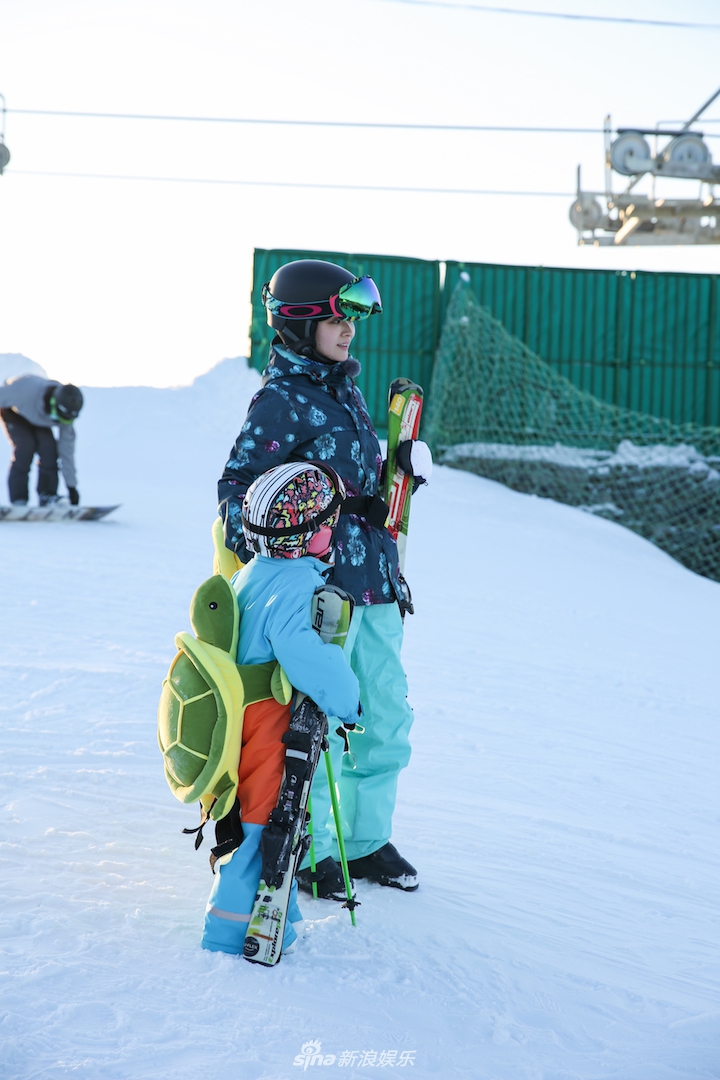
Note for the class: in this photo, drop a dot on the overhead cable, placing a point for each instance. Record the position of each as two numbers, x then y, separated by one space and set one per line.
291 184
305 123
515 129
623 19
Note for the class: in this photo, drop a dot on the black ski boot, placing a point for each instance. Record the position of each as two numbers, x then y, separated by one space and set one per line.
386 867
328 877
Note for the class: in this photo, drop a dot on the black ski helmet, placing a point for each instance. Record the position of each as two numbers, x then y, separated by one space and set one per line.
67 401
307 283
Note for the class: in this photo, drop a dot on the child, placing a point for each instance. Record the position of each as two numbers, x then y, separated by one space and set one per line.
289 517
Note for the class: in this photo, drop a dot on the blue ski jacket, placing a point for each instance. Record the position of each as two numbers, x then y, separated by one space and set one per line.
274 596
307 410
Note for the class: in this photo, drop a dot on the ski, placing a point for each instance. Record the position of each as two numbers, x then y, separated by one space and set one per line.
61 512
284 839
405 401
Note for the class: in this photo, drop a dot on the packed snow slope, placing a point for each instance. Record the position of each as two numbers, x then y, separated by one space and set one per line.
561 804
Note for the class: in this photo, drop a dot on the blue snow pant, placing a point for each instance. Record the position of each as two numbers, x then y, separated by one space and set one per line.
232 897
367 790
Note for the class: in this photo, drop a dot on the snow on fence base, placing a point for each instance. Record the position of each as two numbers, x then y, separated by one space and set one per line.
498 410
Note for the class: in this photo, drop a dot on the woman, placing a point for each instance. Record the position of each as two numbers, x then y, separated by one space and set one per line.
310 409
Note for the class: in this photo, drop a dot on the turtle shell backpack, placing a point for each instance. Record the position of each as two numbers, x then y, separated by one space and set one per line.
202 706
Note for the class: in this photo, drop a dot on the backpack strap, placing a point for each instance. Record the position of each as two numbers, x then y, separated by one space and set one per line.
228 837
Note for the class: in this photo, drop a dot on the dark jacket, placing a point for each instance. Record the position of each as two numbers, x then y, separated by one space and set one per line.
306 410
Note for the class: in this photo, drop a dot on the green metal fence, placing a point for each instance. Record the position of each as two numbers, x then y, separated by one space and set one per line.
646 341
401 341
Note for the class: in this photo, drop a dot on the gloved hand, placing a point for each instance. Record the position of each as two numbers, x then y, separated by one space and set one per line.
414 458
74 496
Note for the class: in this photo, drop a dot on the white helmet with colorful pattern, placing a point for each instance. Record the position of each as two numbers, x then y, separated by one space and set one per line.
292 510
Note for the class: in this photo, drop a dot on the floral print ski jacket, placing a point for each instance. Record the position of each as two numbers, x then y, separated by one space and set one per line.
306 410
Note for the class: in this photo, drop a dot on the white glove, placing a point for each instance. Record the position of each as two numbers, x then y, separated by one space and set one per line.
414 458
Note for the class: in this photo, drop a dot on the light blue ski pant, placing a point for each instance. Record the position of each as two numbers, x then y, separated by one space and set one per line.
367 779
232 897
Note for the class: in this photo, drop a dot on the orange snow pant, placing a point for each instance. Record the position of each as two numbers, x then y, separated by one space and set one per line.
263 759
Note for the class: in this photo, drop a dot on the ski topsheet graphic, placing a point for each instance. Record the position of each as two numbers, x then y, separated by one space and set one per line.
55 512
405 400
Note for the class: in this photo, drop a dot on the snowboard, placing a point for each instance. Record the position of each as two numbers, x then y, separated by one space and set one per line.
405 401
55 513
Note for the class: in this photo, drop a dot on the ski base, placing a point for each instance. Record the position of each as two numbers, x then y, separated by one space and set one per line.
55 513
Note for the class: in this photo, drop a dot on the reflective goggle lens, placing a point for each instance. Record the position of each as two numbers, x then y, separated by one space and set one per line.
357 300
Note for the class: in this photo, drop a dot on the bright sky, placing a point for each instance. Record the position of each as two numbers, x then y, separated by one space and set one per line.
112 282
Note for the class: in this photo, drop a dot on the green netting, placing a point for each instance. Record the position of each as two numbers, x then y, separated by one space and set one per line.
497 409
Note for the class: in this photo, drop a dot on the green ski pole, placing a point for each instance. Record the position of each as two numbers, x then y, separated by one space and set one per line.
351 902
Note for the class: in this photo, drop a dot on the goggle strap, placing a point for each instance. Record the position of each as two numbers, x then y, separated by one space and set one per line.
296 530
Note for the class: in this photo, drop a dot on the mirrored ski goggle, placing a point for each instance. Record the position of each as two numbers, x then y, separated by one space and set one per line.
357 300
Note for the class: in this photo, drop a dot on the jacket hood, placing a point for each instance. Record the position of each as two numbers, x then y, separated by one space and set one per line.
283 361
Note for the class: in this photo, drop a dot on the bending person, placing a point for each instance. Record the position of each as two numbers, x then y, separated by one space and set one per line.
29 408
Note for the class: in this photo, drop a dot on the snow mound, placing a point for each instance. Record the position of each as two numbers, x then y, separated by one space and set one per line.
16 364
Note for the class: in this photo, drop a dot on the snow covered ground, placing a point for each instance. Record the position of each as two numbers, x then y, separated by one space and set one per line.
627 453
561 804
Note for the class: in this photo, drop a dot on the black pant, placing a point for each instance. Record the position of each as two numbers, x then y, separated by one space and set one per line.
28 440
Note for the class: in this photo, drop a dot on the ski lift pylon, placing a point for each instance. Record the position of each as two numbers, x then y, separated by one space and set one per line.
632 218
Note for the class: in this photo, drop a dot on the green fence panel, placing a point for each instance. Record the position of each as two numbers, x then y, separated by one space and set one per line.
646 341
401 341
